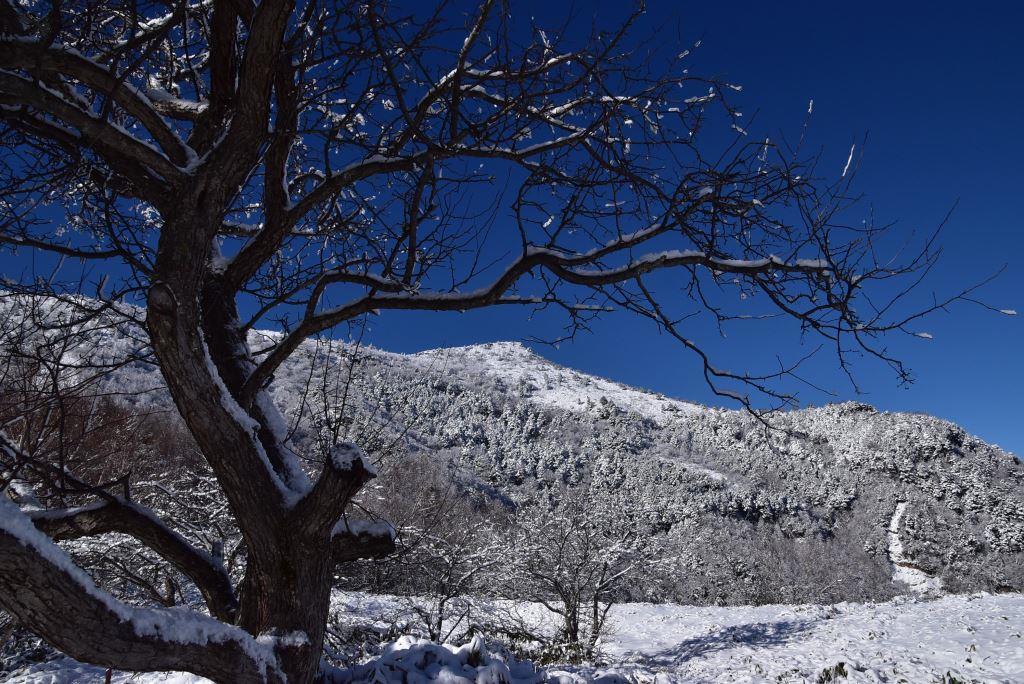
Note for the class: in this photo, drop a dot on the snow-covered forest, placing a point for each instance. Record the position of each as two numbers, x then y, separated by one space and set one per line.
209 473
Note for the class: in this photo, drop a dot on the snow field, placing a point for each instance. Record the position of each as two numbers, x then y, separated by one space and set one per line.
977 638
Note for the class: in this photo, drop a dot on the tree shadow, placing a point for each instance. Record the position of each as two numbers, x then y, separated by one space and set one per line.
761 634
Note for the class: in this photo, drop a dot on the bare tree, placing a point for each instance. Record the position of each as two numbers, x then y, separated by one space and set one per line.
574 557
305 164
451 548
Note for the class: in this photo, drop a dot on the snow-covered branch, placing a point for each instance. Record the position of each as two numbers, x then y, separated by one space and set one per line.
42 587
124 517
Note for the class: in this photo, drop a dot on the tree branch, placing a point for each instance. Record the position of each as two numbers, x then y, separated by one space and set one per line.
124 517
565 266
129 155
345 472
42 588
355 543
41 58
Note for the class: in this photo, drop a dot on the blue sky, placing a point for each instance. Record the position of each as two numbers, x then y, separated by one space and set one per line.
939 93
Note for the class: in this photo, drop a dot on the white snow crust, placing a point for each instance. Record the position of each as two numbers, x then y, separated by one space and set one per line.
345 455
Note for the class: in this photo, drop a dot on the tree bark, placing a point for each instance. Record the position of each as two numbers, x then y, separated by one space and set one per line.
287 594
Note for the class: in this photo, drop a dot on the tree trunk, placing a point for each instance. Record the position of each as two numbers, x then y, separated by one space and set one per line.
572 626
205 360
286 596
435 625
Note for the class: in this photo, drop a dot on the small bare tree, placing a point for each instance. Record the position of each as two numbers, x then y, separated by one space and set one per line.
302 163
453 565
574 559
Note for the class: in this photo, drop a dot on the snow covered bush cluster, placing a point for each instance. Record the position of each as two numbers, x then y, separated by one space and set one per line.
418 660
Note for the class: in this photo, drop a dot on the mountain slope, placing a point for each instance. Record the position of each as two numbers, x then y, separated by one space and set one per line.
826 506
748 508
544 383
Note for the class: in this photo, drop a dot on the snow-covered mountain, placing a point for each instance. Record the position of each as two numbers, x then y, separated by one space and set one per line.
839 496
832 504
882 490
514 365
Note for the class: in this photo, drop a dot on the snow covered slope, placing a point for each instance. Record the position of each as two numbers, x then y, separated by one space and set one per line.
904 570
754 513
548 384
973 638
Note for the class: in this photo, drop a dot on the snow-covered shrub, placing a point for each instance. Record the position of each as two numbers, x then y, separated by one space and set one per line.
20 647
410 659
450 546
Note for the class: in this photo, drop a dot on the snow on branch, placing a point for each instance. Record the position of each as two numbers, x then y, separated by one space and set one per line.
46 591
115 514
358 539
125 517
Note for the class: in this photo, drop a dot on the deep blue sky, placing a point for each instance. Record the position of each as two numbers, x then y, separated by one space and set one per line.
938 89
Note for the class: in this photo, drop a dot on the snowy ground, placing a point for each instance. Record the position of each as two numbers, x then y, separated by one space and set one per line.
904 571
974 638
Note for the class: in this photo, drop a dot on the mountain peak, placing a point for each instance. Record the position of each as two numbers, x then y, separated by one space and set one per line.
544 382
501 349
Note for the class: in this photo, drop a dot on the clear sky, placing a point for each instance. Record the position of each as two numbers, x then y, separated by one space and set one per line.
939 92
938 89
